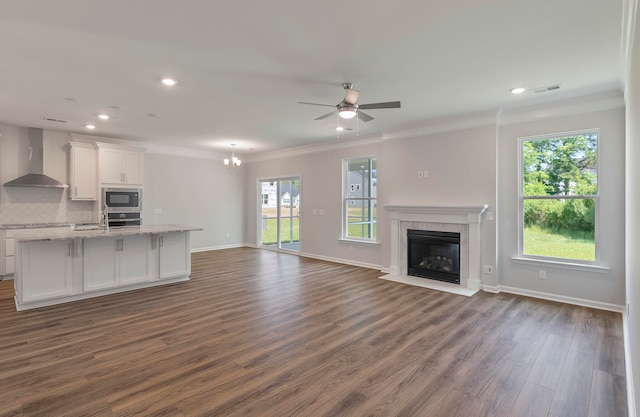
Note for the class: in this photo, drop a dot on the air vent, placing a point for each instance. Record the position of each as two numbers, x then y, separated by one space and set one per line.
545 89
52 119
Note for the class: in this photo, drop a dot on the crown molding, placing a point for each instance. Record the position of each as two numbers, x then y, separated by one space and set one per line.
153 148
335 144
444 124
607 100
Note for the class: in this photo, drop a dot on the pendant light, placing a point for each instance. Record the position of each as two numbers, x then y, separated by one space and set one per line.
233 161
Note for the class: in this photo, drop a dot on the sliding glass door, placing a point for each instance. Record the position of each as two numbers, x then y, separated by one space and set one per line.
280 213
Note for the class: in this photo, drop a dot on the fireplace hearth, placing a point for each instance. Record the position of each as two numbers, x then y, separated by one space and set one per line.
434 255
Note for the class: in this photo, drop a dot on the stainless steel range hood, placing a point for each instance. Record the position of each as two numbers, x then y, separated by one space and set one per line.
35 176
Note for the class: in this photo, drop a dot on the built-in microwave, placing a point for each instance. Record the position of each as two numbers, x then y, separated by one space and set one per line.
122 199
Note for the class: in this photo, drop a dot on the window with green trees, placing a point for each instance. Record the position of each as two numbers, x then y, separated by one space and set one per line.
559 196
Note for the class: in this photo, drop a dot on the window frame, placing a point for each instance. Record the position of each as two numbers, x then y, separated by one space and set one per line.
346 199
522 198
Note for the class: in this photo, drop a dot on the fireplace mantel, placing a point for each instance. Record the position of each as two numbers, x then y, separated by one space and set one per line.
466 218
462 213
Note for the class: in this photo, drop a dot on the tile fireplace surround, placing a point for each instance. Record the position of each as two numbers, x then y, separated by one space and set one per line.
463 219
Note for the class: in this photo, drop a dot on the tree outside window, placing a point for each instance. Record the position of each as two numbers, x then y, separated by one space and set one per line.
559 195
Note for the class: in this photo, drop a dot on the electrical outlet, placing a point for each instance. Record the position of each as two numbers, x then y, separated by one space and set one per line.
542 274
157 211
425 174
488 269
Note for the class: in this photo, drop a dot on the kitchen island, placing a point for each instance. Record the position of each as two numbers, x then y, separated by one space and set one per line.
60 265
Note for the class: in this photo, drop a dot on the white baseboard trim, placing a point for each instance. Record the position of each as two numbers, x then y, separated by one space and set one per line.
555 297
342 261
631 398
238 245
490 288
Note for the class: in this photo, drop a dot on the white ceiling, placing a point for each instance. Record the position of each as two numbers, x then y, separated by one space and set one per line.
242 66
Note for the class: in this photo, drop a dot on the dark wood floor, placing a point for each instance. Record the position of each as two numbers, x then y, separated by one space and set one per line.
257 333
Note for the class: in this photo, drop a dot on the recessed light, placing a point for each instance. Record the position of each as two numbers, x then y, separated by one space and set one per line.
103 116
517 90
114 108
154 115
72 99
339 128
168 81
90 127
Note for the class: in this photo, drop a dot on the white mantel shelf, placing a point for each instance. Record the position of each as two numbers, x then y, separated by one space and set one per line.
460 213
465 218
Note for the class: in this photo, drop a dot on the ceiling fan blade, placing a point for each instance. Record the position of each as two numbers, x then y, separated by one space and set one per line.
364 116
351 96
386 105
317 104
325 116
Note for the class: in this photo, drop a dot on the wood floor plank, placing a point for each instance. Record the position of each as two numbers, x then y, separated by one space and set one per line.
551 358
261 333
571 398
608 395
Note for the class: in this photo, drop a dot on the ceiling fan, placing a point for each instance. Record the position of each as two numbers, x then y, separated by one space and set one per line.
349 107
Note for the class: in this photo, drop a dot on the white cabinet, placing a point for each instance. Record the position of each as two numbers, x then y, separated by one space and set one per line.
120 165
54 267
46 269
114 261
83 168
174 254
99 264
135 259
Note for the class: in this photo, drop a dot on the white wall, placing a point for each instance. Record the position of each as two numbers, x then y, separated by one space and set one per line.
321 179
594 288
632 96
462 170
195 192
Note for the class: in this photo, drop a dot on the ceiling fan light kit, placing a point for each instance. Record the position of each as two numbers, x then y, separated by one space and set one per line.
348 108
347 112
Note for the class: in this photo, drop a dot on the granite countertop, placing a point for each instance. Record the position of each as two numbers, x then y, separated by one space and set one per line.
17 226
60 233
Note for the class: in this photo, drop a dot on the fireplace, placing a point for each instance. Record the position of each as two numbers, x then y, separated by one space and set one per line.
465 220
433 254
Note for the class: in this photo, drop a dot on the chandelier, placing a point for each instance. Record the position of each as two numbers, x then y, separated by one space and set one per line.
233 161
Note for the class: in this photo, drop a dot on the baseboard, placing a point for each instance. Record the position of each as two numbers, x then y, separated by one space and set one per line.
342 261
559 298
206 249
631 397
490 288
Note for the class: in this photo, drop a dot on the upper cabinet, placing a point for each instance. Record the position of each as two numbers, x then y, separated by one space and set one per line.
83 168
120 165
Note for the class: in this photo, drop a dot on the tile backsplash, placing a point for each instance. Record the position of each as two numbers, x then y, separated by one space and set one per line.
43 205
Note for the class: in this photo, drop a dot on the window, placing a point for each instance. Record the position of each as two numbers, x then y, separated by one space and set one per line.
559 196
359 198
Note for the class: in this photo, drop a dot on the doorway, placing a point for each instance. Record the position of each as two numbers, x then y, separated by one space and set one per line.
280 213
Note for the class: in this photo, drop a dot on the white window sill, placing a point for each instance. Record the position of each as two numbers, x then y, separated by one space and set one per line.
561 264
358 241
